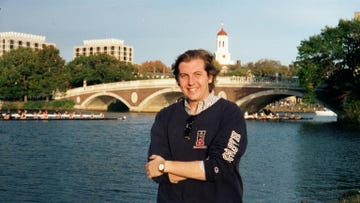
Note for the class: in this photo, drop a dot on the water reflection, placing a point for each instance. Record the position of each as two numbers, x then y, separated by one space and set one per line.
294 161
328 162
103 161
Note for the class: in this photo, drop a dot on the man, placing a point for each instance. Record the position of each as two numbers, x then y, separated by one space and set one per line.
197 142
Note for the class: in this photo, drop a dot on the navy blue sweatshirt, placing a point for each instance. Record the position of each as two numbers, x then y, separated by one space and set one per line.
218 136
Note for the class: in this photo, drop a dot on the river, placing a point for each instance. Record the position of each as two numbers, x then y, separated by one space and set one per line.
103 161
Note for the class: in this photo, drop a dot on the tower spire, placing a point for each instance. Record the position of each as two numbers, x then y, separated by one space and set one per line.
222 54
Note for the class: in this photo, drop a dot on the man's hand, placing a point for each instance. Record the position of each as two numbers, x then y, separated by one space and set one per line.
152 167
174 178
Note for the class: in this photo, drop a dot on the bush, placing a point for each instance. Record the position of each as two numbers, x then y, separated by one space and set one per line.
34 105
352 109
62 104
11 105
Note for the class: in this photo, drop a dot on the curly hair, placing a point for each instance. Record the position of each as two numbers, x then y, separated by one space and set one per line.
202 54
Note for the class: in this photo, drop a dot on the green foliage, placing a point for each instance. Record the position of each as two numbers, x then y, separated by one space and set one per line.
62 104
265 68
9 106
97 69
261 68
352 108
34 105
38 105
16 68
331 60
50 75
310 97
27 73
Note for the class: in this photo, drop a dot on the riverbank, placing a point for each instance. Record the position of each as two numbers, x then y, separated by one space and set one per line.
350 197
37 105
293 108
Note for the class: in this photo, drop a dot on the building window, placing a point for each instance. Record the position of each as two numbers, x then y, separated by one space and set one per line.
28 44
20 43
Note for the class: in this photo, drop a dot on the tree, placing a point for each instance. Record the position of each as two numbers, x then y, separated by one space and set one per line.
19 64
97 69
26 73
49 75
153 68
331 60
333 56
9 80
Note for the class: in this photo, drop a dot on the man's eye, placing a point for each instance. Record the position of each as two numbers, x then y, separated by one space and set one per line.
198 74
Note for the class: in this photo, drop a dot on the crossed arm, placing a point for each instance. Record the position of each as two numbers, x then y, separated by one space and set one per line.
176 170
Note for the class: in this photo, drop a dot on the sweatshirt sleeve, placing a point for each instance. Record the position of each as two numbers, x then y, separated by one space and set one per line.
228 146
159 142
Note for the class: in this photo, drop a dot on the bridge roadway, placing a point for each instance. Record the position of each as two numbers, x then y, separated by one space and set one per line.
152 95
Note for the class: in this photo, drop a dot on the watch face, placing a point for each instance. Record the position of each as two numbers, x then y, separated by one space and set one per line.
161 167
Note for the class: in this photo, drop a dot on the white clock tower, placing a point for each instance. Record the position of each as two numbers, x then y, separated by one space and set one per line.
222 54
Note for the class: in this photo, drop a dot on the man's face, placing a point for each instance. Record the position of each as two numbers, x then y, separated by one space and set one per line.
194 80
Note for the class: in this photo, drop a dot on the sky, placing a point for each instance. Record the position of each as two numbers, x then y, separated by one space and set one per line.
163 29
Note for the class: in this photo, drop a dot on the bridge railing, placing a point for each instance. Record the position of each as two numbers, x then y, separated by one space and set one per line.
257 81
134 84
170 82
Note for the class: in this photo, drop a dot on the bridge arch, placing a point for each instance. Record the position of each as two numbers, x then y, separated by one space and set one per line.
256 101
159 99
101 100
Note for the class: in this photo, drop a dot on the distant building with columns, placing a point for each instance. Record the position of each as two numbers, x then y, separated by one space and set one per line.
14 40
113 47
222 54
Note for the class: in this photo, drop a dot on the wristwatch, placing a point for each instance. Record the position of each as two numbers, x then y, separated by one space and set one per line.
161 167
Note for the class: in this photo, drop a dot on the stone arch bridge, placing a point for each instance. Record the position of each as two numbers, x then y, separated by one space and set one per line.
152 95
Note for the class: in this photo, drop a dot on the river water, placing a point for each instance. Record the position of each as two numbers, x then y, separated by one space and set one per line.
103 161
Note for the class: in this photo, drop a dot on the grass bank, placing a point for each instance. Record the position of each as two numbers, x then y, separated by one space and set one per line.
39 105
